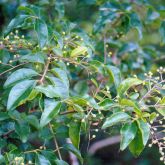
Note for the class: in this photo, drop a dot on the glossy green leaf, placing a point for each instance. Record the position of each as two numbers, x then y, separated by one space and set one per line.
14 23
115 75
54 91
128 133
42 32
128 47
32 95
18 75
4 116
136 146
77 100
81 50
126 84
91 101
34 58
130 103
116 118
49 154
23 130
152 116
106 104
134 96
81 87
136 23
4 56
2 159
145 130
74 133
19 93
41 160
61 74
74 150
32 120
51 109
26 9
161 108
60 162
152 14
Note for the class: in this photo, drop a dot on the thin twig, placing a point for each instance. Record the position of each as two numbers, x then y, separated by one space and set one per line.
45 71
146 95
13 68
7 133
55 142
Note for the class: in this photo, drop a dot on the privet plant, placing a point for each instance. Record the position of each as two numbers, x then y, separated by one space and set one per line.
60 82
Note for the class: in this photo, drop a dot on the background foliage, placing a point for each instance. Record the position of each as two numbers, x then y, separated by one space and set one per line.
75 72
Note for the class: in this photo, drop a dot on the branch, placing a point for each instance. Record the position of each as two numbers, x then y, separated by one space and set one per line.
13 68
7 133
148 93
55 142
45 71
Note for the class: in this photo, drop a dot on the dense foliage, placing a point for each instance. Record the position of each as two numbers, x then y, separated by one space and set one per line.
64 80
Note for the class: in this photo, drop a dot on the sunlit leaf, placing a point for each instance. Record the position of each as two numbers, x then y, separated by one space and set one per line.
115 119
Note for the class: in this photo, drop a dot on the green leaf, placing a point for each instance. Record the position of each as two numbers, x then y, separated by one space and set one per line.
130 103
152 14
75 151
81 50
74 133
62 88
18 75
26 10
51 109
42 32
128 47
61 74
14 23
32 95
77 100
134 96
136 146
49 154
2 159
60 162
41 160
4 56
152 116
162 32
32 120
81 87
34 58
136 23
106 104
23 130
91 101
161 109
52 91
4 116
126 84
60 8
19 93
128 133
97 66
114 74
115 119
145 130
